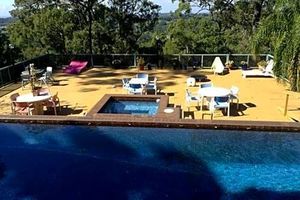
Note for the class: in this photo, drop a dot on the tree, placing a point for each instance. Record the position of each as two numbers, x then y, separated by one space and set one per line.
281 31
47 31
132 19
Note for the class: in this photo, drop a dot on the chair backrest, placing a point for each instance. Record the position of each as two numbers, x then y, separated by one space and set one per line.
142 75
153 81
14 96
234 90
135 86
205 85
188 95
55 98
270 65
49 69
25 77
21 104
125 82
221 99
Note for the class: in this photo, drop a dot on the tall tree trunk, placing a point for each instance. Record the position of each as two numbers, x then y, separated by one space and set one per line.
91 38
258 6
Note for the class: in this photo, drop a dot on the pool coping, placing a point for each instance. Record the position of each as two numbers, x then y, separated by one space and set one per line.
156 123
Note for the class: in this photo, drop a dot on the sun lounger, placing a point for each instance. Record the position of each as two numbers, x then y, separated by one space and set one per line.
76 67
268 72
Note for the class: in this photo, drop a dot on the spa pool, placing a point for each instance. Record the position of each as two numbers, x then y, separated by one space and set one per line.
149 107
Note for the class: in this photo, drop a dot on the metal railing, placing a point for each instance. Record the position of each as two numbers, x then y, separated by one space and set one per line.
11 73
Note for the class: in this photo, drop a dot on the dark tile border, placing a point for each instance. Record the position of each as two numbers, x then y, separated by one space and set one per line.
161 122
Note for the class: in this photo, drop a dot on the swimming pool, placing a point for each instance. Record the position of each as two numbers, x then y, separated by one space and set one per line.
130 107
82 162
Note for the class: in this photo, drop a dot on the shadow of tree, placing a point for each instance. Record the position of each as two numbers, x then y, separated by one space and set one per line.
81 162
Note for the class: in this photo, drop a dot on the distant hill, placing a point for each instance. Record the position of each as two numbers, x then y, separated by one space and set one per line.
5 21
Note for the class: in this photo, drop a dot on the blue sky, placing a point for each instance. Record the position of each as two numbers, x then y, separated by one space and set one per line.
166 6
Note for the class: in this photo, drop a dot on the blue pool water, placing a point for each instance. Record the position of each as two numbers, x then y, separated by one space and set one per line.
130 107
78 162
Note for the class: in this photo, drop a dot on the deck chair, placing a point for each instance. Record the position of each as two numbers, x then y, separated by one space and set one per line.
125 83
234 95
218 67
47 77
189 98
53 103
267 72
152 85
221 103
25 79
76 67
136 89
21 108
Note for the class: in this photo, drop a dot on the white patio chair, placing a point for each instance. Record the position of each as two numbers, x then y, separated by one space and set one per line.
189 98
136 89
221 103
267 72
191 81
125 83
47 77
234 95
25 79
152 85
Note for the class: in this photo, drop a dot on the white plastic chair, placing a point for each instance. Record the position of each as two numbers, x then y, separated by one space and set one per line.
25 79
220 103
152 85
191 81
189 98
234 95
47 76
125 83
136 89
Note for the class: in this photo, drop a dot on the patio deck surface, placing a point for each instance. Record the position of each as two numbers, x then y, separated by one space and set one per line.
261 99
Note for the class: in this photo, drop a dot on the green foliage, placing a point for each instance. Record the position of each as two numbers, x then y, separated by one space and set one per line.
281 31
80 26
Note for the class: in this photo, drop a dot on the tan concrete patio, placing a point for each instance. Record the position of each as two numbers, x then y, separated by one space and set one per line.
260 98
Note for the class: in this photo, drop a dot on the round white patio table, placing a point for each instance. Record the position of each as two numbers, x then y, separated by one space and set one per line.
212 92
141 81
37 101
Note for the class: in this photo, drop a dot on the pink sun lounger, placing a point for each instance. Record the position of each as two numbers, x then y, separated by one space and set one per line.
76 67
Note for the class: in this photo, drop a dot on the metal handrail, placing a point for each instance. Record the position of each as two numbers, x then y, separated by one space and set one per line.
11 72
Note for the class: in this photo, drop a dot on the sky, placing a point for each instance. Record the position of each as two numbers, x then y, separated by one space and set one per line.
7 5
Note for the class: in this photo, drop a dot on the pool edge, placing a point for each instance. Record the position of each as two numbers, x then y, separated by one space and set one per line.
164 122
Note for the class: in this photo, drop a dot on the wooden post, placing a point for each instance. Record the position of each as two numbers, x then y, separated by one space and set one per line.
134 59
286 104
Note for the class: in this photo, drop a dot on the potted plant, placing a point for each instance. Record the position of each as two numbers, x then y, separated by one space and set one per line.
229 64
244 65
32 74
141 63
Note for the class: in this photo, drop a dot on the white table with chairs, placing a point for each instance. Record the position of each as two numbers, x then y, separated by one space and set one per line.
36 101
141 81
211 92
